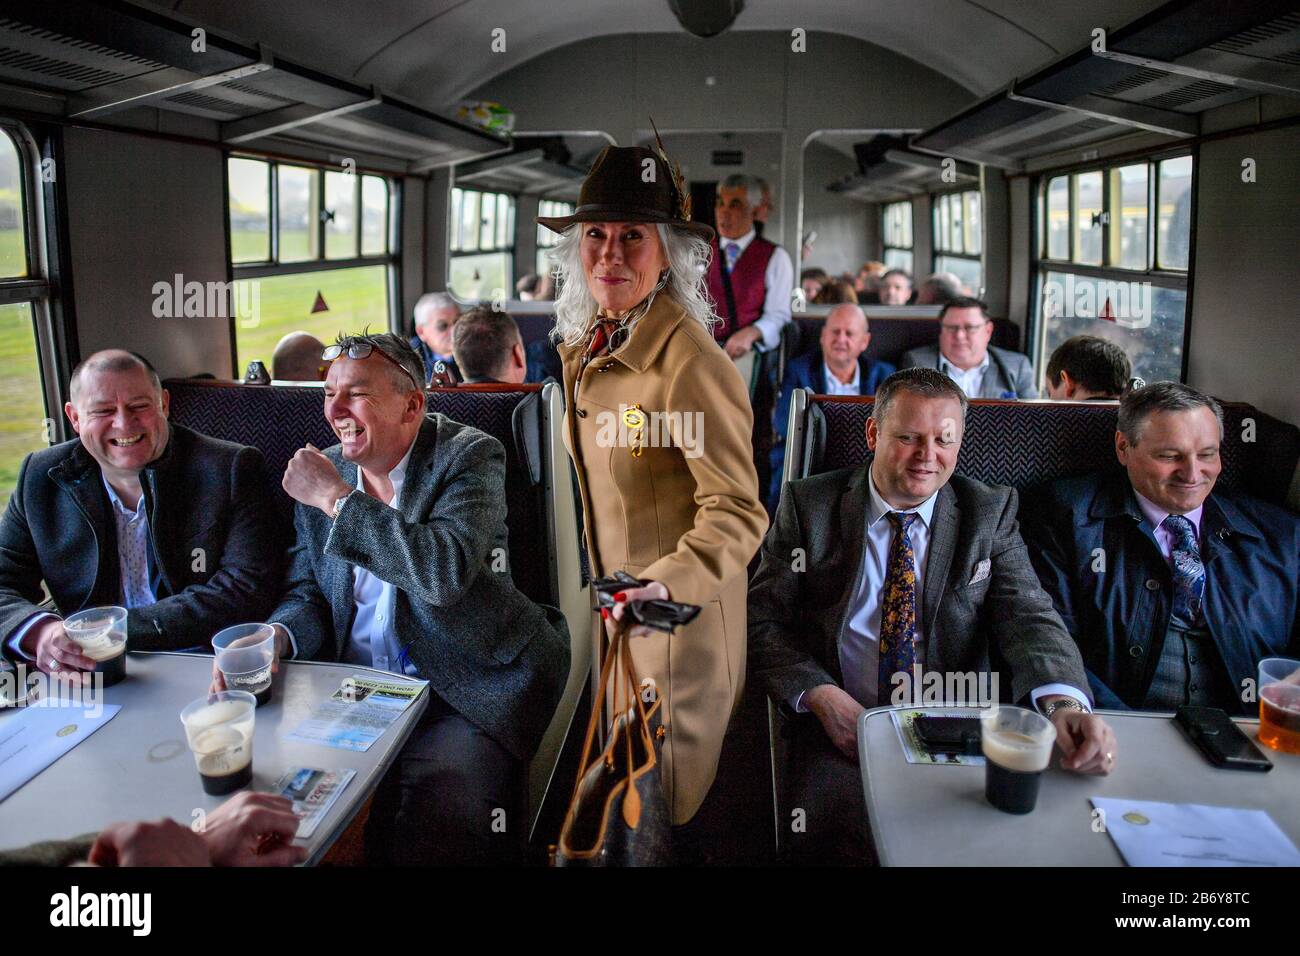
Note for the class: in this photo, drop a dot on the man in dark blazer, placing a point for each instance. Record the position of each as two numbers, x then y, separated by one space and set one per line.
897 570
136 512
839 366
1174 591
964 354
407 571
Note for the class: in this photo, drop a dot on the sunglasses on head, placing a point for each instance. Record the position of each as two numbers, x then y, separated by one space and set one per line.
360 350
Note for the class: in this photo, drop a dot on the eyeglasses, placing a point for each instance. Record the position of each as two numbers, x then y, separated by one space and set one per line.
958 329
360 350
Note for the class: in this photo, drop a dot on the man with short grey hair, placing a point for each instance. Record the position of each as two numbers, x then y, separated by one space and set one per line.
874 576
435 318
1174 591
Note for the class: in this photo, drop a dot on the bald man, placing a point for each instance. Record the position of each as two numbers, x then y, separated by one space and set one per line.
297 358
137 512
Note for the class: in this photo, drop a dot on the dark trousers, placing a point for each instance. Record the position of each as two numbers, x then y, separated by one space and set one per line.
454 796
824 812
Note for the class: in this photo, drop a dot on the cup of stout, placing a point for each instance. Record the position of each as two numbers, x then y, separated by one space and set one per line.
245 653
1017 745
219 730
100 632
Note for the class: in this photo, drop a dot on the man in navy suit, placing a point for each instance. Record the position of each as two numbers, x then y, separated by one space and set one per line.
837 367
1173 591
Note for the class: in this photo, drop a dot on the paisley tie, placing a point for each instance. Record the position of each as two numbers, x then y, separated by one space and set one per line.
898 609
733 253
1189 572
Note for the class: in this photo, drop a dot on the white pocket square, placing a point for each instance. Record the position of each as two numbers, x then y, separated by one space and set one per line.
981 572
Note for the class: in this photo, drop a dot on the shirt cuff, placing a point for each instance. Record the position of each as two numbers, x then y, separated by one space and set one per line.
770 326
797 703
1047 690
15 639
293 643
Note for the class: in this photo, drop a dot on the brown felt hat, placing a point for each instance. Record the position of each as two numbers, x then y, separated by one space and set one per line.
617 190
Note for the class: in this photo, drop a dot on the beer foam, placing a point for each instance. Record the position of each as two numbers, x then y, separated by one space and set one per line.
221 712
1012 750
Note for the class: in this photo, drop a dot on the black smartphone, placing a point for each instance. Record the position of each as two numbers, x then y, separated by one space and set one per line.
949 735
1220 740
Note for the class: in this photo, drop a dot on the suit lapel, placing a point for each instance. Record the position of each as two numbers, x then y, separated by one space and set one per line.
80 479
938 563
338 574
852 531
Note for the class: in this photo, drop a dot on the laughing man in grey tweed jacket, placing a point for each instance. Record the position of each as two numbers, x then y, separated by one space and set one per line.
401 572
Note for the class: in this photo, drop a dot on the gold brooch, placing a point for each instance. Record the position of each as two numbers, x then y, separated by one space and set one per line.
634 419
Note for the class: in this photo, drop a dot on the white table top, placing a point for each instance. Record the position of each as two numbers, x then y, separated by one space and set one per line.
138 766
936 814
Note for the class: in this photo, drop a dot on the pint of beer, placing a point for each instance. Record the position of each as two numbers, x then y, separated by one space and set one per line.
101 634
219 730
1279 704
1017 745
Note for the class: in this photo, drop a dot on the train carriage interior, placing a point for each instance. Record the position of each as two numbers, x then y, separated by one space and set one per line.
193 180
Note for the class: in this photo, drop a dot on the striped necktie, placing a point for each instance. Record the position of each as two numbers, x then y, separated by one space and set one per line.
1189 572
898 609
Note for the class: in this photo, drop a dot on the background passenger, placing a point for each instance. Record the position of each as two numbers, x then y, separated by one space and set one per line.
964 354
435 317
895 288
297 359
488 347
196 538
940 288
836 292
1086 367
1197 585
811 281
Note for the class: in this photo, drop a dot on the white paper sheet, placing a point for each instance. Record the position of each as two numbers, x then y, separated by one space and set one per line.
1148 833
33 737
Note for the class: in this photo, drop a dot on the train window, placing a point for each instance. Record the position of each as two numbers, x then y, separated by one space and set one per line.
957 237
26 427
330 266
546 239
1104 271
482 245
897 230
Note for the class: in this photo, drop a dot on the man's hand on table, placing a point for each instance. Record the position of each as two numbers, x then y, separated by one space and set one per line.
839 714
1087 743
55 652
282 649
157 843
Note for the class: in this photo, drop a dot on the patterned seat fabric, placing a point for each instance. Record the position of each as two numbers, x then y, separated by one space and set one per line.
280 419
1025 444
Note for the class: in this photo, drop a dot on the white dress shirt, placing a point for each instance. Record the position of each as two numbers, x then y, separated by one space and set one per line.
779 282
374 642
1157 515
859 642
969 380
835 387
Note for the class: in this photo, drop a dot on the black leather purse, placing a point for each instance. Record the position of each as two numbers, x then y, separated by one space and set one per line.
618 815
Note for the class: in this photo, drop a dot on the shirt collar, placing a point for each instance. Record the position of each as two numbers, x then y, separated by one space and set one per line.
854 382
743 241
1157 515
949 369
879 507
119 505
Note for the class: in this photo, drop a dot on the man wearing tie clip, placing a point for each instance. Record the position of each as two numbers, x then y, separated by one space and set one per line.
879 570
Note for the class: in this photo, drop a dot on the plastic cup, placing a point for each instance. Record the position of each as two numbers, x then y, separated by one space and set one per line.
1279 704
1017 745
219 730
101 634
244 654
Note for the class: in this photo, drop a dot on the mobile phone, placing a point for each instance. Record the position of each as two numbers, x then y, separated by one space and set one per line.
1220 740
949 735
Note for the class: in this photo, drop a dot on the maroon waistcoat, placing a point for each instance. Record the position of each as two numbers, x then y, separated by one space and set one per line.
748 284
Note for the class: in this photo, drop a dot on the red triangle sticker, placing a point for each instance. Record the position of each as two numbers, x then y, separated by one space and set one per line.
319 305
1107 313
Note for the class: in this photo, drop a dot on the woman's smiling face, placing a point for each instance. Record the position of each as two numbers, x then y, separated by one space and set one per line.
622 262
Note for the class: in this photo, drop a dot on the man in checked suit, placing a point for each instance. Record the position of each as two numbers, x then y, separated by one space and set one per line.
398 566
897 567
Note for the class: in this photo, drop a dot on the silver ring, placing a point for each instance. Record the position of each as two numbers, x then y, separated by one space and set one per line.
54 665
1109 757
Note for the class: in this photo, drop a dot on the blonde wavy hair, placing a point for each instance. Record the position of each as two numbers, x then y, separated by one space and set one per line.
575 307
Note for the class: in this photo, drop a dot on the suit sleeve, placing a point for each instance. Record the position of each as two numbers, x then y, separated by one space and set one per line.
910 359
780 664
729 517
303 608
243 587
1026 627
1025 387
436 559
20 567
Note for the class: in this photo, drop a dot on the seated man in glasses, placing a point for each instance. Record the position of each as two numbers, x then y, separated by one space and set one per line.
964 355
399 565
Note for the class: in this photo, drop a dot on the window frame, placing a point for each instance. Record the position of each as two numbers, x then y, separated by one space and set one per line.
546 239
885 246
455 211
936 201
272 266
1040 264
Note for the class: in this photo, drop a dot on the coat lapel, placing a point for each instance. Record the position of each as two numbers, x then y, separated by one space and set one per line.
79 477
938 563
852 531
338 574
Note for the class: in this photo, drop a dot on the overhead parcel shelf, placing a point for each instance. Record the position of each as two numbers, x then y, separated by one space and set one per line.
106 56
529 171
1157 74
900 173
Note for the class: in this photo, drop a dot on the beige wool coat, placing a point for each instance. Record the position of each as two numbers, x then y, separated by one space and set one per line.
685 512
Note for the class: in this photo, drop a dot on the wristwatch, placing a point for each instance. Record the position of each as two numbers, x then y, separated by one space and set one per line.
338 505
1063 703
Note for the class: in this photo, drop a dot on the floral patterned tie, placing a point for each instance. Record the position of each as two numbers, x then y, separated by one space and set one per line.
898 610
1189 572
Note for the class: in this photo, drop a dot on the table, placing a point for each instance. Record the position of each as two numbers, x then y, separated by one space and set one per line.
138 766
936 814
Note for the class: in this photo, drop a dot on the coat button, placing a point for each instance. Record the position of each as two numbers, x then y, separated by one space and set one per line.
580 413
1135 650
1152 584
